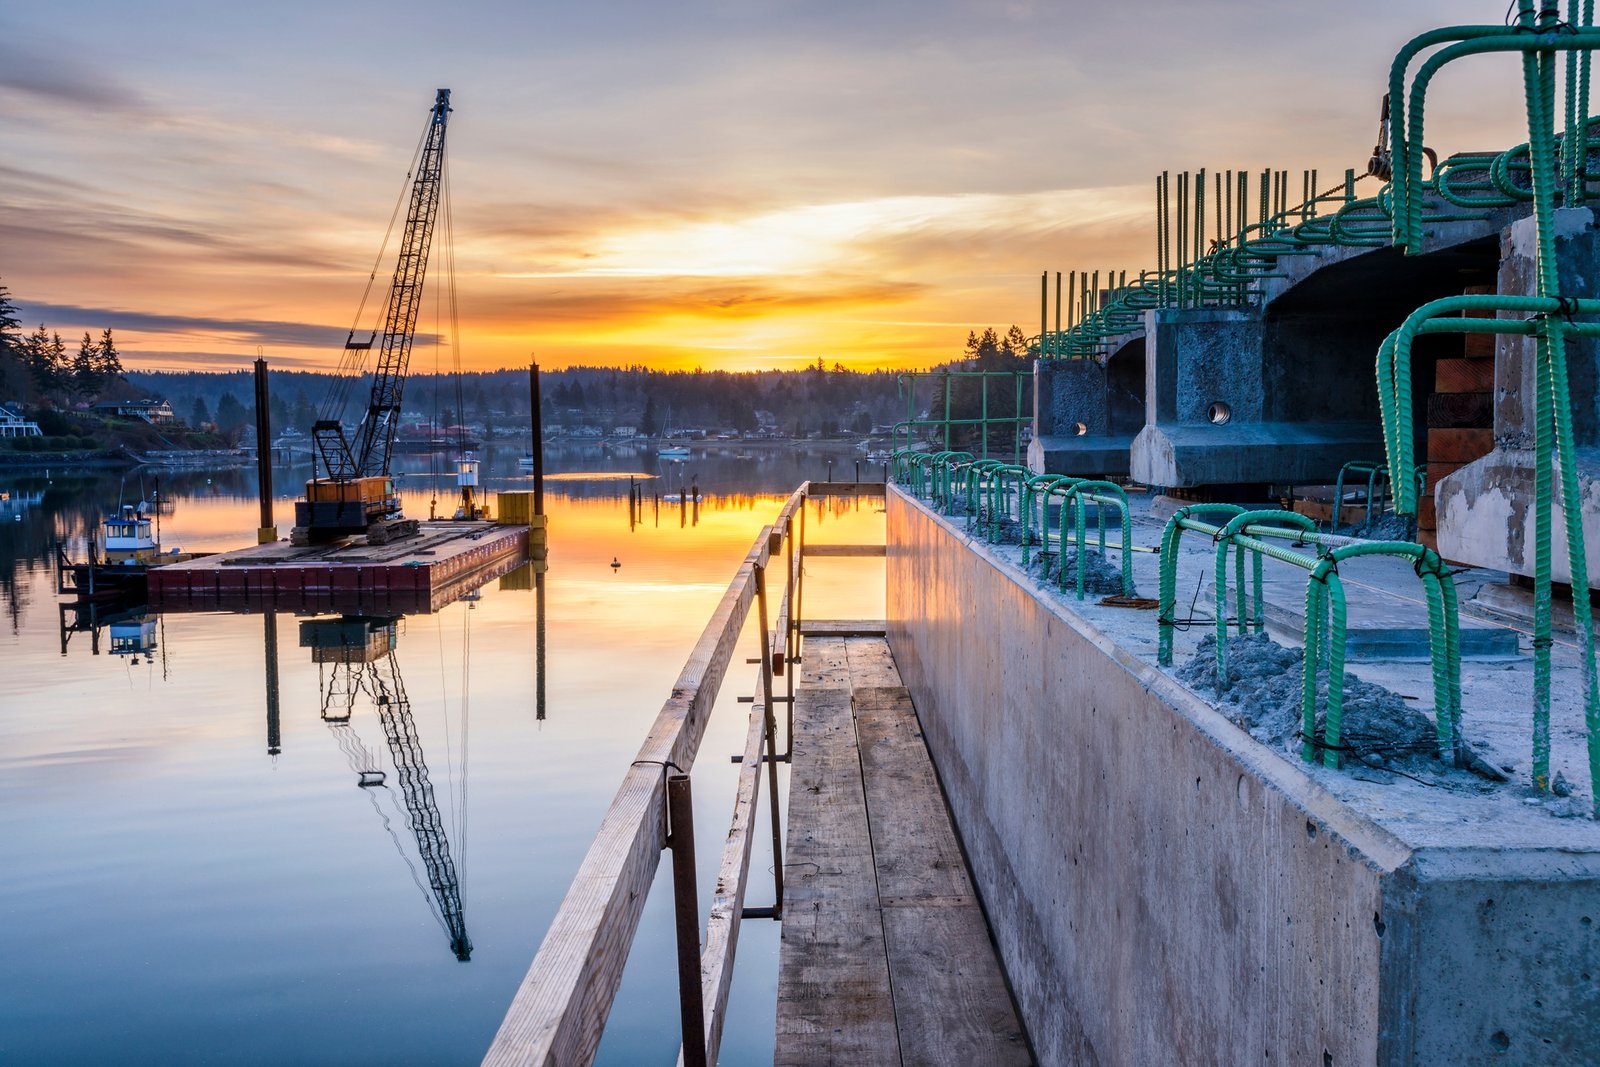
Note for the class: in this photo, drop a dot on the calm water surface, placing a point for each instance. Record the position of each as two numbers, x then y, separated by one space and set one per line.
178 892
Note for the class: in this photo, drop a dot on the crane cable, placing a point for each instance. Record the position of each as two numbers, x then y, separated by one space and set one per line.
352 361
447 203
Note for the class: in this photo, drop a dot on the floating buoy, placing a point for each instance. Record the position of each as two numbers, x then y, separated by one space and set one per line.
616 564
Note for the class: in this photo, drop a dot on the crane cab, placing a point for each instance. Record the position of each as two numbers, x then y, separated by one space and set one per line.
335 508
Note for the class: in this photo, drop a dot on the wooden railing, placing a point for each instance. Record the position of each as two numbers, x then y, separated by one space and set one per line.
560 1008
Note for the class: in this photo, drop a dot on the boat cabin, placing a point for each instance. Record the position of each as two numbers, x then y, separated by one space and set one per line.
128 537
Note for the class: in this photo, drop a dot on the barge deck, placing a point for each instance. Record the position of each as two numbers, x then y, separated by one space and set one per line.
416 575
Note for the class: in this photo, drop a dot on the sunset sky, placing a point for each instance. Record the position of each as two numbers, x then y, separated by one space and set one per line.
726 184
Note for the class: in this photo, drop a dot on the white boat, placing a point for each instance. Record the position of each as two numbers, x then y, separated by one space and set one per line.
128 538
673 452
525 462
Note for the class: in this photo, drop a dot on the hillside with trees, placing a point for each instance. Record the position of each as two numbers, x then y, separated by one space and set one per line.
57 387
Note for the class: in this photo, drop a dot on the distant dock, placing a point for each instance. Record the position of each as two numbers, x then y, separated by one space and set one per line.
416 575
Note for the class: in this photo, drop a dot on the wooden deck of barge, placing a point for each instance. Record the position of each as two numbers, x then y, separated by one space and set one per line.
886 956
415 575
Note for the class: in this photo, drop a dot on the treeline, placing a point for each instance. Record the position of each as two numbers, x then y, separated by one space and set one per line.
38 370
817 399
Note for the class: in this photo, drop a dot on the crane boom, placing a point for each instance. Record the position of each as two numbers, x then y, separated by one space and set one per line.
355 492
376 443
394 711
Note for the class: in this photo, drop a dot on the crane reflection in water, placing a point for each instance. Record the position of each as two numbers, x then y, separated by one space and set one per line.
356 663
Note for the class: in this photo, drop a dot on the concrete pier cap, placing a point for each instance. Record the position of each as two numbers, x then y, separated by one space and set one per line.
1086 411
1284 392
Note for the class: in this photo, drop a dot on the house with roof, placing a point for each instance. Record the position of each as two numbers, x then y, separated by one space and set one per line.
12 424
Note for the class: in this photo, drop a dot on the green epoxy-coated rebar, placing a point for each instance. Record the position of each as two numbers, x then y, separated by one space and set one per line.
1226 537
1539 38
1100 493
1171 535
1326 609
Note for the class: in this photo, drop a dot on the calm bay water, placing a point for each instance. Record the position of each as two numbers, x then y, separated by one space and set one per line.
177 893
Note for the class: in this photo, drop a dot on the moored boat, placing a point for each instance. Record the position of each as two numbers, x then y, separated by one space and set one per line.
129 547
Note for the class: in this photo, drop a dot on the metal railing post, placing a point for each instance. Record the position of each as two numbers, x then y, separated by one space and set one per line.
791 636
686 905
772 741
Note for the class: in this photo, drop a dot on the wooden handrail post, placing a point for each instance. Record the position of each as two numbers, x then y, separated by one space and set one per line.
686 901
772 741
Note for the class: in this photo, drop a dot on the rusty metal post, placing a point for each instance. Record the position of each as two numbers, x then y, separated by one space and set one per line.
1044 306
686 905
772 742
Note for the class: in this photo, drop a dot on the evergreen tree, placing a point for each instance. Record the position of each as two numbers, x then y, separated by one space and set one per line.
231 415
84 365
108 361
649 422
85 375
303 415
51 374
10 339
200 414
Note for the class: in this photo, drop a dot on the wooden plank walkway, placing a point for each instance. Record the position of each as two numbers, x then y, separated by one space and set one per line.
886 957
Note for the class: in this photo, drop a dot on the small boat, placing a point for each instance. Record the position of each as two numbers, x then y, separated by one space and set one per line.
673 452
129 549
525 462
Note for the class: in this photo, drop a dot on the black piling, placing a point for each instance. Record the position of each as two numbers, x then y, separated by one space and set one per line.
267 531
537 412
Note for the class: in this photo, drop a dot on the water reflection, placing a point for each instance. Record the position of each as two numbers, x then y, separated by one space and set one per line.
129 625
531 576
356 663
219 891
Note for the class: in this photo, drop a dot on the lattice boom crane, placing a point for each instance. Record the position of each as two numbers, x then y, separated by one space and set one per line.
355 493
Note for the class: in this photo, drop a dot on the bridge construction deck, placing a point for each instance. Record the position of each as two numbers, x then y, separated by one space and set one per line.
886 955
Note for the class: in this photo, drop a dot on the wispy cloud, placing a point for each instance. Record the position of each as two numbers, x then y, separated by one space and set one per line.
58 78
246 333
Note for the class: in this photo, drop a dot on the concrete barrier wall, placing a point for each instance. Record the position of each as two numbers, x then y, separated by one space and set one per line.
1164 889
